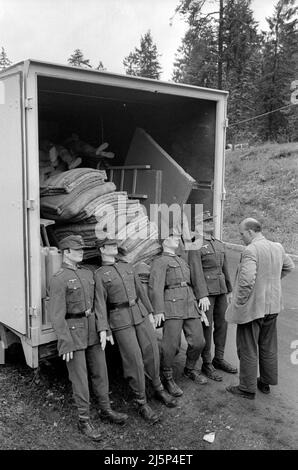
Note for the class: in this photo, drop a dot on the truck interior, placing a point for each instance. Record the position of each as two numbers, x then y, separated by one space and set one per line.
184 127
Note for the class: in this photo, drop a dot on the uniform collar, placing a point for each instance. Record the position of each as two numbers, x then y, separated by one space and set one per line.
208 237
167 253
69 266
107 263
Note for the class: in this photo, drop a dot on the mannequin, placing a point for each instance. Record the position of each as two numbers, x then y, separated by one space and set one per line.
123 306
174 303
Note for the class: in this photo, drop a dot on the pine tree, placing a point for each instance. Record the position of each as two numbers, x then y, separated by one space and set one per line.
143 61
77 59
221 50
280 63
4 60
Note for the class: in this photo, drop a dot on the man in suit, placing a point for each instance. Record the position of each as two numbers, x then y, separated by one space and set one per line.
256 303
211 283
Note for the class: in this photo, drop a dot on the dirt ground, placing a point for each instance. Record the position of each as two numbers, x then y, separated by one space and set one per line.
37 412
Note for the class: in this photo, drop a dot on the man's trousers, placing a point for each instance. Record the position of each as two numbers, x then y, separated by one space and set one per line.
257 343
93 361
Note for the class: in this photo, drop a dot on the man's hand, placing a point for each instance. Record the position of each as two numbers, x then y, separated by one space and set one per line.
229 297
204 304
103 339
67 356
158 319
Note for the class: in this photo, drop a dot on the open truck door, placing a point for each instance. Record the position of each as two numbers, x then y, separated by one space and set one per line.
12 208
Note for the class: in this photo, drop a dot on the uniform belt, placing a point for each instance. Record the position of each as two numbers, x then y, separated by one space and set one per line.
78 315
129 303
180 284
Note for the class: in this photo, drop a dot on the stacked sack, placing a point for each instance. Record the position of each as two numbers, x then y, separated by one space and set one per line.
82 202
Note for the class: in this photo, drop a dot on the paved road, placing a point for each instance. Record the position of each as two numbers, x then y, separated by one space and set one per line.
287 334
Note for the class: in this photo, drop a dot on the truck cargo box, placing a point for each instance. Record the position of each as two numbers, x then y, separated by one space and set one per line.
48 101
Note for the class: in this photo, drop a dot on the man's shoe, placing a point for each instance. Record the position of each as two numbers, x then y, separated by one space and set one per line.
210 372
148 414
87 428
240 393
113 416
263 387
224 365
173 388
166 398
195 375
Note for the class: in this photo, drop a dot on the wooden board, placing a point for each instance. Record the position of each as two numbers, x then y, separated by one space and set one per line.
176 183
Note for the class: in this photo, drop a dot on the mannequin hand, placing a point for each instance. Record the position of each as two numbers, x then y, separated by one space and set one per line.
67 356
158 319
229 297
151 319
110 339
204 304
103 339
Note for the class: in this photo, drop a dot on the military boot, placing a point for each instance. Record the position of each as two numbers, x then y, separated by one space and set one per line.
87 428
113 416
145 410
162 395
170 384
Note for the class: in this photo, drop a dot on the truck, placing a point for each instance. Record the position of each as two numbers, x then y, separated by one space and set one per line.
189 122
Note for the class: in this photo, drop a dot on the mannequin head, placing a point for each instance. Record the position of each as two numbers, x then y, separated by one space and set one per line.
171 243
72 248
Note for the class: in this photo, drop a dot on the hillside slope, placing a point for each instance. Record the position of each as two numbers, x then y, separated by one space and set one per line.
262 182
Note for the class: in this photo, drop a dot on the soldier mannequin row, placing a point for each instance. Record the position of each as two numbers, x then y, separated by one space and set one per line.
88 310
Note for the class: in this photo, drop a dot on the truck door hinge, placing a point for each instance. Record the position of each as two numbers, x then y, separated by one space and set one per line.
33 311
226 123
28 103
30 204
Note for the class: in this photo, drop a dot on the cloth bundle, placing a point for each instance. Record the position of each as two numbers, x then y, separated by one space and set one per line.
68 206
69 180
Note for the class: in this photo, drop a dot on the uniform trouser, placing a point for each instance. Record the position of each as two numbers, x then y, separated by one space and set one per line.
216 316
140 355
257 336
171 339
90 360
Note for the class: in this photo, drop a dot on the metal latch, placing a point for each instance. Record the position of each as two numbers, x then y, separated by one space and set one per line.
28 103
30 204
33 311
226 123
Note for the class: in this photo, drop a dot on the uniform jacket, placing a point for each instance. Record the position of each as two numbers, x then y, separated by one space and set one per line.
257 289
72 291
116 284
209 269
168 271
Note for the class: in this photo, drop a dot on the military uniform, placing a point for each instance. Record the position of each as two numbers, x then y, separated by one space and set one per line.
210 278
122 305
171 293
71 302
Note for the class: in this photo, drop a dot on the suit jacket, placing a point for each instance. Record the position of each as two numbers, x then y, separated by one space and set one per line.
118 284
257 289
72 291
165 293
209 269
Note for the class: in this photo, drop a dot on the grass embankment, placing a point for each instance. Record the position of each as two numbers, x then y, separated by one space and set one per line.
262 182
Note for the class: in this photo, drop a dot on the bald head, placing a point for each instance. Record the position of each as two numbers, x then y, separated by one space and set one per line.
249 228
251 224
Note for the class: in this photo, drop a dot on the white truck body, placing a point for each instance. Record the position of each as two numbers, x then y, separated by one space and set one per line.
32 91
